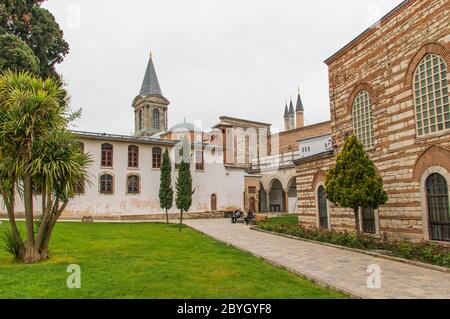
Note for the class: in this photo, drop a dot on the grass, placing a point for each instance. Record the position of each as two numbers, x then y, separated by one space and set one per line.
284 220
148 261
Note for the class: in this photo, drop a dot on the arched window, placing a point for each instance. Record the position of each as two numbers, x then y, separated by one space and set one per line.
106 184
133 156
78 188
323 207
431 95
438 207
155 117
362 119
133 184
140 119
107 155
156 157
213 202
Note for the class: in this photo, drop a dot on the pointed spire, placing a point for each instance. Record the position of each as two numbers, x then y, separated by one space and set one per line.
291 108
150 85
299 107
286 112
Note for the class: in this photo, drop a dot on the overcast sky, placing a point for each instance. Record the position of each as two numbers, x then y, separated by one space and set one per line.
239 58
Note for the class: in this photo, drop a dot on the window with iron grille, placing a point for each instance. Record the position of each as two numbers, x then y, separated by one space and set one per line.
140 119
368 220
199 163
133 184
106 184
438 207
107 155
362 119
155 117
323 207
133 156
156 157
252 190
431 96
79 188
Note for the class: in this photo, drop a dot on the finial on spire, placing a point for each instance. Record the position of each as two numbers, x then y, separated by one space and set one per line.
151 55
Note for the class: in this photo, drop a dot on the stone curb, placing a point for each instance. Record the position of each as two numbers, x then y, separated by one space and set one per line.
355 250
312 278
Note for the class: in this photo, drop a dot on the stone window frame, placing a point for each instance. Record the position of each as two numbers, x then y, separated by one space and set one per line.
133 156
199 166
139 184
156 120
100 183
377 233
140 119
424 201
428 48
104 162
439 93
363 118
156 163
316 203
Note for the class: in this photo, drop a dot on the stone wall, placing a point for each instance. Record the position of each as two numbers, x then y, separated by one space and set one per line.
383 61
287 141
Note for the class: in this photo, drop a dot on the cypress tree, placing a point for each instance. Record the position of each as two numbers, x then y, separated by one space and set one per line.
184 189
165 188
354 181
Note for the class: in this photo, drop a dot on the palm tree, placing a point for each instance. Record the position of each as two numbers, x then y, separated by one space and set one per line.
36 147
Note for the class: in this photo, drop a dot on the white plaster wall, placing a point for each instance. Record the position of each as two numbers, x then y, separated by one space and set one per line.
228 185
315 145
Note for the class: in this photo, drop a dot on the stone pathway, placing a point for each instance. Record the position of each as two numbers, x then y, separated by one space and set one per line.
334 267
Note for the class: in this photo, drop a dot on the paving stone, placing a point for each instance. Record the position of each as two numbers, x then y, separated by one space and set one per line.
335 267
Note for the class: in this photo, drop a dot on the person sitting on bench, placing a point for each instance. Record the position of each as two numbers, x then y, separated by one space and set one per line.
236 215
250 217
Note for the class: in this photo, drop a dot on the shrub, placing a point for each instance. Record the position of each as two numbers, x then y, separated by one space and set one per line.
424 252
11 245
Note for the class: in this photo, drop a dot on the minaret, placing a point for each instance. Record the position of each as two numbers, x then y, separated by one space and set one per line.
286 118
291 115
150 106
299 112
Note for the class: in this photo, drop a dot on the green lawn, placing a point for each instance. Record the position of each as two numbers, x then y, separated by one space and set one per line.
148 261
284 220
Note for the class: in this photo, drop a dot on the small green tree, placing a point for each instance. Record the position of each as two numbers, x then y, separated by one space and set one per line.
16 55
354 182
184 189
165 188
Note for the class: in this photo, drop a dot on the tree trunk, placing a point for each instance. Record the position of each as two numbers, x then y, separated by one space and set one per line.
356 211
29 220
167 216
181 219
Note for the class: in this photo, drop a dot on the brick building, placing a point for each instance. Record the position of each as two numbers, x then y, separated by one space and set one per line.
389 87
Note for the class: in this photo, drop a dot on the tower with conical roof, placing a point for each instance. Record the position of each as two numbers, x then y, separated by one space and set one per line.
291 115
299 112
150 106
286 117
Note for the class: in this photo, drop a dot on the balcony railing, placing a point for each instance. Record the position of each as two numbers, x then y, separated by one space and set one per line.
275 161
